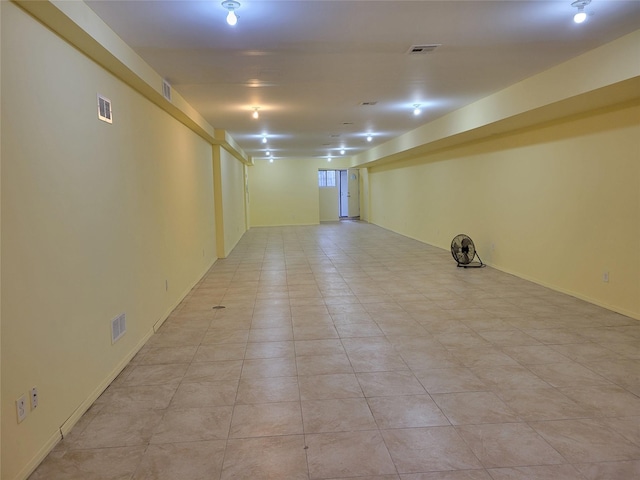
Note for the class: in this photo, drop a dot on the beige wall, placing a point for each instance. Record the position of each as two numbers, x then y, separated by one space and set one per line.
232 171
0 239
285 192
95 219
560 202
365 199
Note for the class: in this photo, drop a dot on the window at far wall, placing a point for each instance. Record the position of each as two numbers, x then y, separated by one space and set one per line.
326 178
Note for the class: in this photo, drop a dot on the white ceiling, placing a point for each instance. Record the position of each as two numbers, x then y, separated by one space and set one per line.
308 65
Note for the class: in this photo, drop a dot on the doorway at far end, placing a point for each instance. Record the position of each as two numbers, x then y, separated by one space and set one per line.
349 194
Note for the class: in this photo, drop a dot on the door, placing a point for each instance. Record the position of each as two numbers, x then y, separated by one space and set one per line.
353 194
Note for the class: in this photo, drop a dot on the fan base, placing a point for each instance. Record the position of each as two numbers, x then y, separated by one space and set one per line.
477 264
471 265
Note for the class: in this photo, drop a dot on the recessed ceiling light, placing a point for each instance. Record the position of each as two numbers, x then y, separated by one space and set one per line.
255 113
271 160
342 152
416 109
256 83
264 139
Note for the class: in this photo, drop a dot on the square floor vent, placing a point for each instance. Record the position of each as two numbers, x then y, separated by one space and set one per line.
118 327
104 109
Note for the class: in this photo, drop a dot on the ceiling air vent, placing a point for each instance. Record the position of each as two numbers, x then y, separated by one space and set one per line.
422 49
166 90
368 104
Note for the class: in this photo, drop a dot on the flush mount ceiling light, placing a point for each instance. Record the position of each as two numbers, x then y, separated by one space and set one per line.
231 6
581 16
329 158
255 113
342 152
416 109
264 139
271 160
369 138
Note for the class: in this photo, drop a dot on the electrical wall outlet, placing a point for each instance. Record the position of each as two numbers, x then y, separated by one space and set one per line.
21 408
34 397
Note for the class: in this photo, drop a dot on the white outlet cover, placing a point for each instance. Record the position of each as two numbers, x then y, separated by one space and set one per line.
21 408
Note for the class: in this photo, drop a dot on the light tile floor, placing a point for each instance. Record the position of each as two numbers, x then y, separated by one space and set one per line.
347 351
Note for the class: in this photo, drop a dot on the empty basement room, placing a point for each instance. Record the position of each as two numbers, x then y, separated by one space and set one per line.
189 291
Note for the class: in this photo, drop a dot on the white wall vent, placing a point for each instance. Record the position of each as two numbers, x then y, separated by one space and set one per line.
423 49
118 327
104 109
166 90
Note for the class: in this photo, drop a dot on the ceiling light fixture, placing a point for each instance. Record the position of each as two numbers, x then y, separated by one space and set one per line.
342 152
581 16
416 109
268 153
255 113
231 6
264 139
369 138
329 158
271 160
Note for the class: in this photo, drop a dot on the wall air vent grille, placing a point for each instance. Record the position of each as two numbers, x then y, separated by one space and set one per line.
422 49
118 327
104 109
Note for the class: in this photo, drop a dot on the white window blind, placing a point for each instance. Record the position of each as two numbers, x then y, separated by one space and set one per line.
326 178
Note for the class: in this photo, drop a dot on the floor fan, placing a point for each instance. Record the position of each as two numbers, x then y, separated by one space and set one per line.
464 251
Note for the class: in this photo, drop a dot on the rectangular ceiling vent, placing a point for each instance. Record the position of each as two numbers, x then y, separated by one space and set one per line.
423 49
104 109
368 104
166 90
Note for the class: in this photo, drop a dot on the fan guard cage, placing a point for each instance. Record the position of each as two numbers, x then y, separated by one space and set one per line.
463 251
